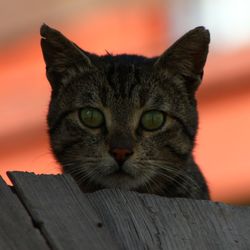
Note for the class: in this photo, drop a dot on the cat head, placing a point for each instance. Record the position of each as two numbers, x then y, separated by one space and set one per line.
123 121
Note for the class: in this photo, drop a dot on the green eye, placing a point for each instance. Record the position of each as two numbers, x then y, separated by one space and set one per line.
152 120
91 117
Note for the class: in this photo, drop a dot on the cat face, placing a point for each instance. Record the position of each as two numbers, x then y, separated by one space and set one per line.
123 121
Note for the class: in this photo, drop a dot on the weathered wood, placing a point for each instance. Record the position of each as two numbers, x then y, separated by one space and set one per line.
140 221
73 220
16 228
62 213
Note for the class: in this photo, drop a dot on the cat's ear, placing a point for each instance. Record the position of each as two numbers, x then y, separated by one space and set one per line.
187 57
62 57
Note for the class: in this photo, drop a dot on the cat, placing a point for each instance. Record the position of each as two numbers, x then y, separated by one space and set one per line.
127 121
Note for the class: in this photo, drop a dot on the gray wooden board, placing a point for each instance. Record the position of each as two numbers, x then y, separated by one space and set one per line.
140 221
69 218
16 228
62 212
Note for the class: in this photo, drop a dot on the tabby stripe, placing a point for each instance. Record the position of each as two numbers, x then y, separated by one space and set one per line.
186 129
173 150
58 121
69 145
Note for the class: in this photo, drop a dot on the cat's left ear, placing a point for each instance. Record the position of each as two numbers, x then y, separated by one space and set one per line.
187 57
62 57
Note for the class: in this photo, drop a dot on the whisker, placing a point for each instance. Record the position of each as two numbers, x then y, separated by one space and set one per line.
177 176
90 176
173 170
184 181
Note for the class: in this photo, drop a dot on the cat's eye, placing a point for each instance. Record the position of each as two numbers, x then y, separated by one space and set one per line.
152 120
91 117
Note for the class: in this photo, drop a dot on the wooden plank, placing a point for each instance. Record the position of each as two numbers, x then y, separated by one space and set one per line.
202 224
127 218
140 221
62 213
16 227
136 221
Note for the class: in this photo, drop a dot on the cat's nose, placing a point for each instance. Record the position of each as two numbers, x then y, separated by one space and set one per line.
121 154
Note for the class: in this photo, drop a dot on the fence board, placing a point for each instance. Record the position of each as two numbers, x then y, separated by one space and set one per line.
73 220
16 228
140 221
62 212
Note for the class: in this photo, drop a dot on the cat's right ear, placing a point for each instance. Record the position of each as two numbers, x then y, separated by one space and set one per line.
187 57
62 57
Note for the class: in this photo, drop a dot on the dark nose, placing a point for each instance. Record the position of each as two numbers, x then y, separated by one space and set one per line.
121 154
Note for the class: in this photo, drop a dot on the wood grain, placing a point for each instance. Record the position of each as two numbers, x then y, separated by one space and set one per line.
143 221
17 231
61 212
116 219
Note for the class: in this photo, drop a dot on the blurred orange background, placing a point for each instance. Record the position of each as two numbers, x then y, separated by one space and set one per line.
143 27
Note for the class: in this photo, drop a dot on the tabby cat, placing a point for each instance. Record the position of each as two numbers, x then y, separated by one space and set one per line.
127 121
